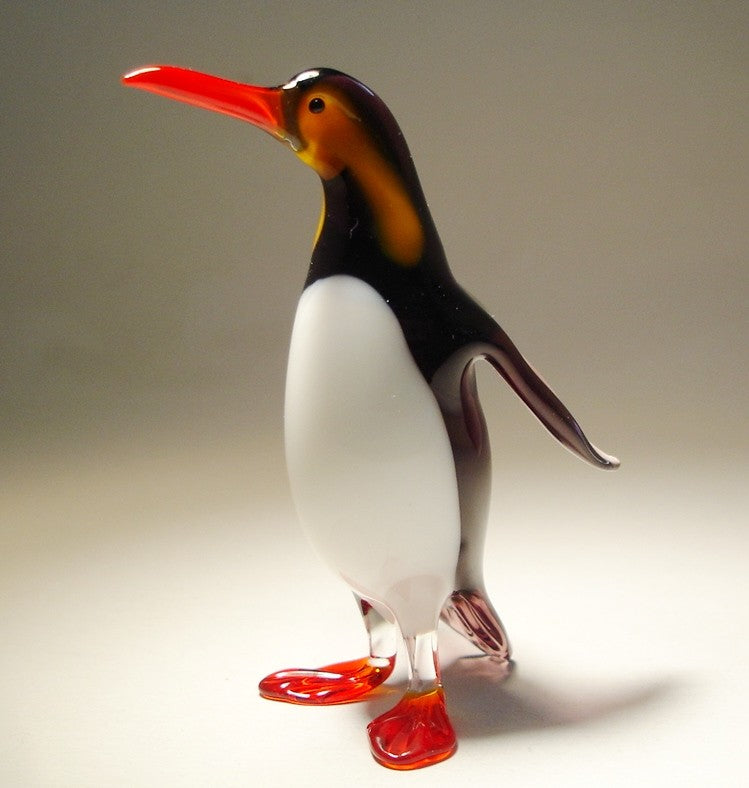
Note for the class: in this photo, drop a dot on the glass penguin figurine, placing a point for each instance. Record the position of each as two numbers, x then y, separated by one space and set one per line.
386 443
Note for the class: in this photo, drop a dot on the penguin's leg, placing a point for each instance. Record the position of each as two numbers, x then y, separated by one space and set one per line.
341 682
468 610
416 732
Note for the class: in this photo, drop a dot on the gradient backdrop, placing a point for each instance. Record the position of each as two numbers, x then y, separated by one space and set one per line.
586 164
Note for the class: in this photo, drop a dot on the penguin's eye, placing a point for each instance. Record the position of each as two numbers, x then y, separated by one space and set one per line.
316 105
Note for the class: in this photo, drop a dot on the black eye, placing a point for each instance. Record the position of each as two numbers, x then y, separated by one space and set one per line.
316 105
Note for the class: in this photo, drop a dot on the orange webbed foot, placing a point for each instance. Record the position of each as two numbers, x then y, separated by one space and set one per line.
342 682
415 733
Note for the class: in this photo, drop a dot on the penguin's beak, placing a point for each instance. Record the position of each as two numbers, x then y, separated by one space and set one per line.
263 107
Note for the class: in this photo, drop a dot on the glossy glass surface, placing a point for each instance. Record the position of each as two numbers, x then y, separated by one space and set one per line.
415 733
387 447
344 682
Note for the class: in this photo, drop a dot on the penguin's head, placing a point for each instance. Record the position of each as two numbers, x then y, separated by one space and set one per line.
333 123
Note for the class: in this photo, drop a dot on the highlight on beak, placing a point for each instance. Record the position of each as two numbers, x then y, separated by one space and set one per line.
257 105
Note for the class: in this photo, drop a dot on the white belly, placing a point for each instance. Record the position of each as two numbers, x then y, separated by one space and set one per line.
369 459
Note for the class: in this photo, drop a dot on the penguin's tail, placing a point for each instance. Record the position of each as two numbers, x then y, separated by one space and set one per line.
502 354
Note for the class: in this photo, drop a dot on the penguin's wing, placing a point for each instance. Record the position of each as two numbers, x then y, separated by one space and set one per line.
502 354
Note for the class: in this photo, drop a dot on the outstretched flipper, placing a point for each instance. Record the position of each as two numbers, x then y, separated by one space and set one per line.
468 610
502 354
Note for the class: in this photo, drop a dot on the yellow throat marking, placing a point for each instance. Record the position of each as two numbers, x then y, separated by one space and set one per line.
337 139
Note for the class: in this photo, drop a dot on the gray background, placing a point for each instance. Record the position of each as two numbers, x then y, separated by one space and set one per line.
586 166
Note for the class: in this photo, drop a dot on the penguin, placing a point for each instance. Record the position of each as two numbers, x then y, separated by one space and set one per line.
386 444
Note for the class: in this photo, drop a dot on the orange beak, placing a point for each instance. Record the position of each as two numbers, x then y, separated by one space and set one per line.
260 106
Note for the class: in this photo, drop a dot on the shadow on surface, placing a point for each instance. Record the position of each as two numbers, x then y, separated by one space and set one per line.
485 699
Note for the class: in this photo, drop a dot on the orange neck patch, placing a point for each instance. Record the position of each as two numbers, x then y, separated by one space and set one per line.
337 139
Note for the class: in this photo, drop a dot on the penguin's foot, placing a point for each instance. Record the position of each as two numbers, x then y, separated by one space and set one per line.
415 733
343 682
471 615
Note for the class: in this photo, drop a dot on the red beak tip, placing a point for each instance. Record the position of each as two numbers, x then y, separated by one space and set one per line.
259 106
132 76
